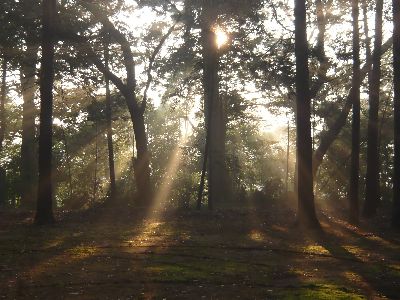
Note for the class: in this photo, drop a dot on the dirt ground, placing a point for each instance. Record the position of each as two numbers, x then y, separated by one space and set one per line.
238 253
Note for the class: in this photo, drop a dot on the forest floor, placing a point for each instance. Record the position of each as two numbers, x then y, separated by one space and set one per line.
248 253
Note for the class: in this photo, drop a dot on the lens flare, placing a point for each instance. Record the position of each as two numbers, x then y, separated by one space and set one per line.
221 37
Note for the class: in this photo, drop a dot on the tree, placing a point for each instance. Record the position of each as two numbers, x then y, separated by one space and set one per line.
306 210
28 146
396 84
372 193
28 58
128 88
44 213
355 146
213 107
3 97
113 186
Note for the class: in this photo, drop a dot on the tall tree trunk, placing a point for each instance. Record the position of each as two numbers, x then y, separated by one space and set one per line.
355 131
203 170
396 67
372 178
214 110
96 162
44 213
287 155
111 164
142 162
3 179
306 210
68 161
28 146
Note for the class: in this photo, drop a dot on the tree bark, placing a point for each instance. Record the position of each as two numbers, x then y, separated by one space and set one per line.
28 146
111 164
44 212
142 162
396 68
355 131
372 178
3 179
306 209
214 109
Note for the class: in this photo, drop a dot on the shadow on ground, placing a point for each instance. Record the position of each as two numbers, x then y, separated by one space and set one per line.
248 253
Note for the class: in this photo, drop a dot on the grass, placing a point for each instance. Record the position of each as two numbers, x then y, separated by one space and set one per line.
249 254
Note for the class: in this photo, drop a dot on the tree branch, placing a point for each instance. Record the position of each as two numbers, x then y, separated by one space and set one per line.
151 62
83 45
329 136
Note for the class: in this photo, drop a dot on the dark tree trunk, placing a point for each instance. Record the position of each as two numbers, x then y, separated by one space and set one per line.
372 178
142 162
68 161
203 170
355 144
396 67
3 179
287 155
44 213
111 165
96 162
28 147
214 110
306 210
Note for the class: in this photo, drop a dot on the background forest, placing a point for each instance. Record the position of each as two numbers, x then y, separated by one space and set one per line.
151 57
199 149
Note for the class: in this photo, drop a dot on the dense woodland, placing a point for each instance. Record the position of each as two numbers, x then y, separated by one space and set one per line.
204 109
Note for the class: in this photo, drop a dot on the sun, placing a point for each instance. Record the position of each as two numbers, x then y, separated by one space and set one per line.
221 37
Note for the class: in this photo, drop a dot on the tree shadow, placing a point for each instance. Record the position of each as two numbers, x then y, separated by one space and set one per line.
187 254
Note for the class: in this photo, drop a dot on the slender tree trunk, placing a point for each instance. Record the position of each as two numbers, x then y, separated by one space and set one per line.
3 179
96 162
396 67
355 145
366 32
111 165
372 177
68 161
203 173
287 154
306 210
44 212
28 146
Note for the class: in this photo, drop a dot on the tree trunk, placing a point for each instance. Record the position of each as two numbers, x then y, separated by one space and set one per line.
372 178
96 162
3 179
142 162
306 210
28 146
287 155
214 110
355 131
396 67
203 170
68 161
111 164
44 213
